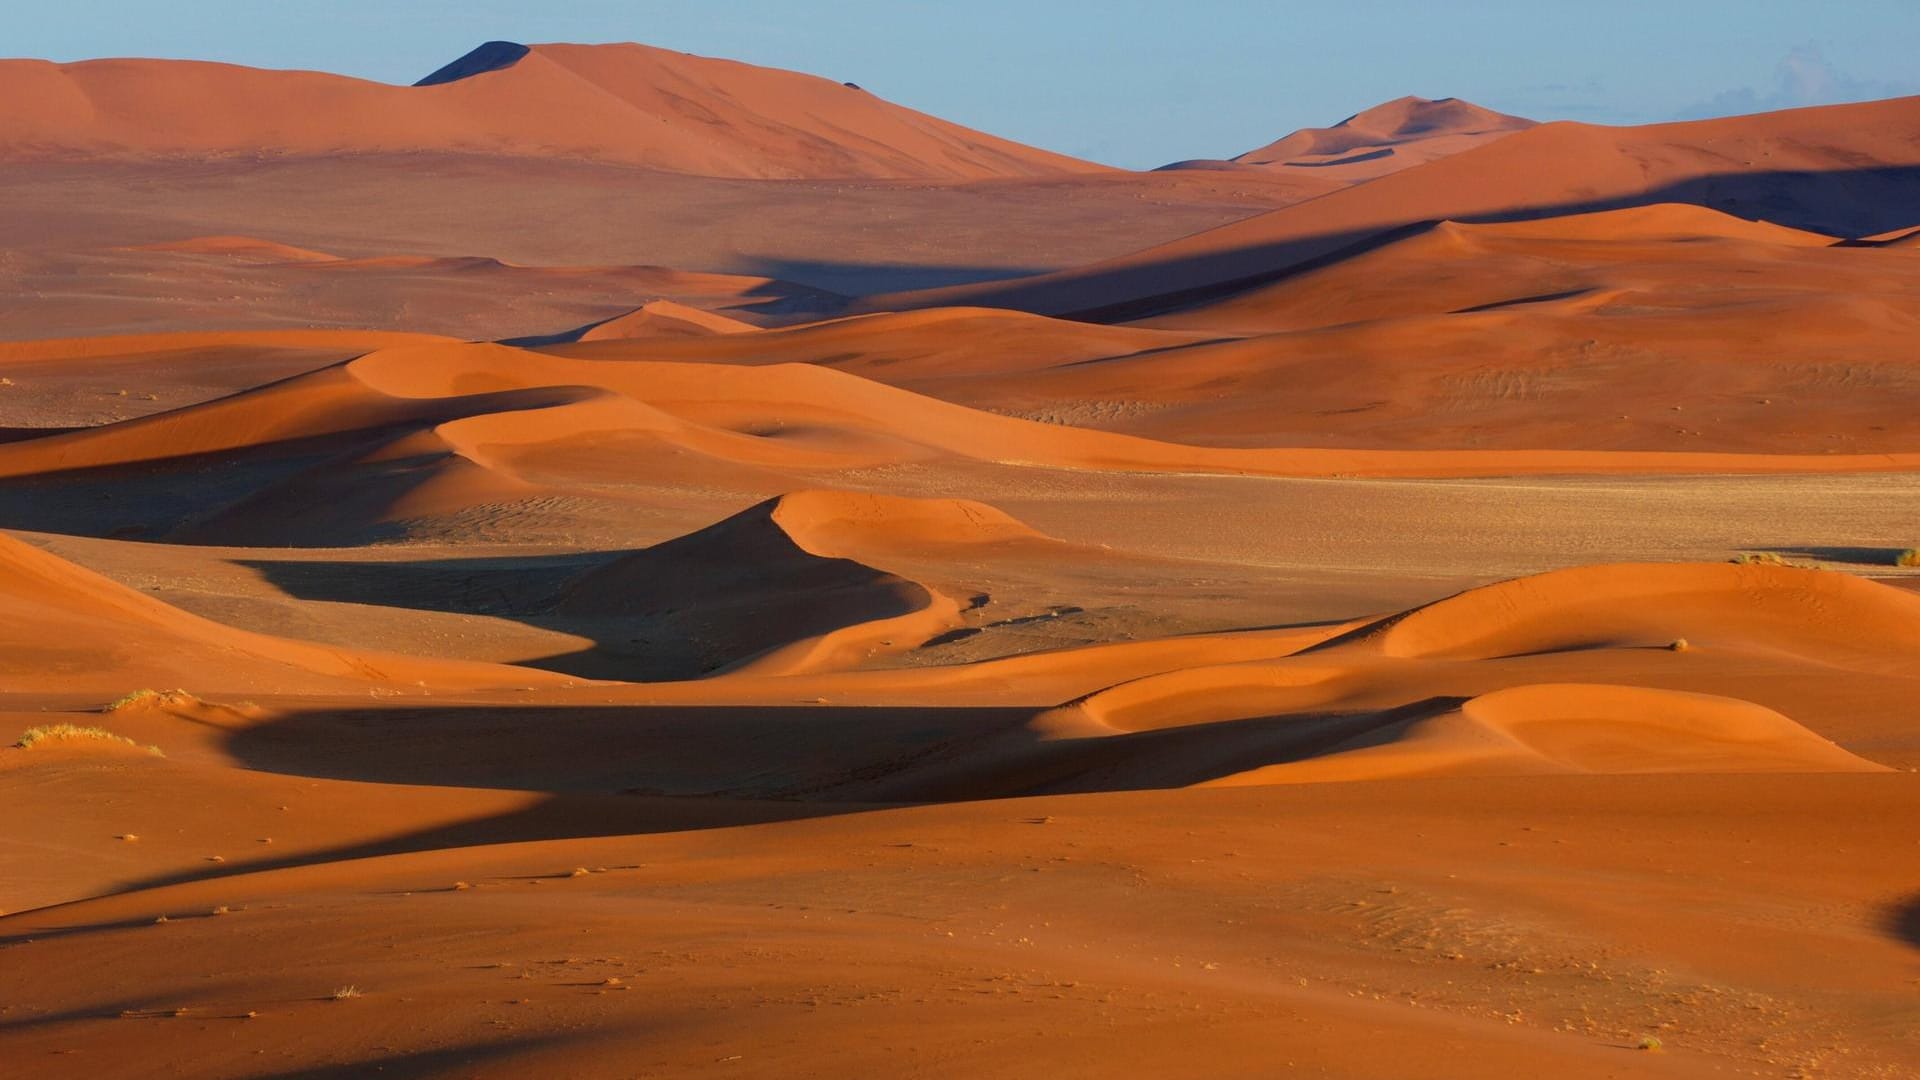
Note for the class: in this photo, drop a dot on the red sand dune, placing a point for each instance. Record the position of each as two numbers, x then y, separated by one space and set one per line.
1708 333
629 104
1838 169
787 586
663 319
434 428
73 632
1396 135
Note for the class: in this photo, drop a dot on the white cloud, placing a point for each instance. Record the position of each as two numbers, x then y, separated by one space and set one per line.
1803 77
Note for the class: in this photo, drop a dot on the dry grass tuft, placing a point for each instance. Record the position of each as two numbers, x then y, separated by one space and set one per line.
1679 645
150 697
1909 557
1760 558
62 732
344 992
1651 1042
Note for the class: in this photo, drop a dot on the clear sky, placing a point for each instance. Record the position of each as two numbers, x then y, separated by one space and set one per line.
1130 82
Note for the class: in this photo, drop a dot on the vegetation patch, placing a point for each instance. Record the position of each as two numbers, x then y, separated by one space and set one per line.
152 698
34 736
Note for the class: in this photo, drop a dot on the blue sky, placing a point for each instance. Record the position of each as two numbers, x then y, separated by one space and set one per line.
1129 82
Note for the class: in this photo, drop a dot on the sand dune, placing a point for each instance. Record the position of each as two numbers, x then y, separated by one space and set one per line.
1559 727
353 450
916 348
663 319
1839 618
618 103
1700 326
75 633
1838 169
1387 138
786 586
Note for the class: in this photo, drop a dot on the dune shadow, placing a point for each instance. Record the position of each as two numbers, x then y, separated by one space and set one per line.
559 817
1522 301
1902 920
442 1061
1842 203
660 620
1855 556
855 279
507 585
840 757
627 771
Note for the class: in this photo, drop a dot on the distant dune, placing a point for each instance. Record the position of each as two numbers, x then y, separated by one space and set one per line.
1842 170
628 104
1387 138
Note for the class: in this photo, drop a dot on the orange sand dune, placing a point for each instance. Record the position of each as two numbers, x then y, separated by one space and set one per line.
663 319
80 382
1842 619
911 348
71 631
250 248
449 424
786 586
1561 727
1839 169
1498 680
1387 138
629 104
1702 328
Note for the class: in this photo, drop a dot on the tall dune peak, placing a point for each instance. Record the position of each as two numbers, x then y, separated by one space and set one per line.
1410 116
488 56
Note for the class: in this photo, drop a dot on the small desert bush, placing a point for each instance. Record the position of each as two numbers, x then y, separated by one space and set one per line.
1651 1042
150 697
1761 558
344 992
1909 557
33 736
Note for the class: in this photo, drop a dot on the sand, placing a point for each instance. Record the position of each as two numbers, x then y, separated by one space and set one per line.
1420 599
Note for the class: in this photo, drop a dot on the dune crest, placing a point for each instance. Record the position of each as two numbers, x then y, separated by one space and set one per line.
787 586
626 104
1578 728
1387 138
1842 170
70 630
664 319
1836 616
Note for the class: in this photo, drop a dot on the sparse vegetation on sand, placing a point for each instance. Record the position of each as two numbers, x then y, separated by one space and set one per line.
344 992
34 736
1760 558
1651 1042
150 697
1909 557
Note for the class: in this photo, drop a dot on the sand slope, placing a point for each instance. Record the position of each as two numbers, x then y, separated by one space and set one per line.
786 586
73 632
1700 327
1396 135
619 103
1846 170
355 450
